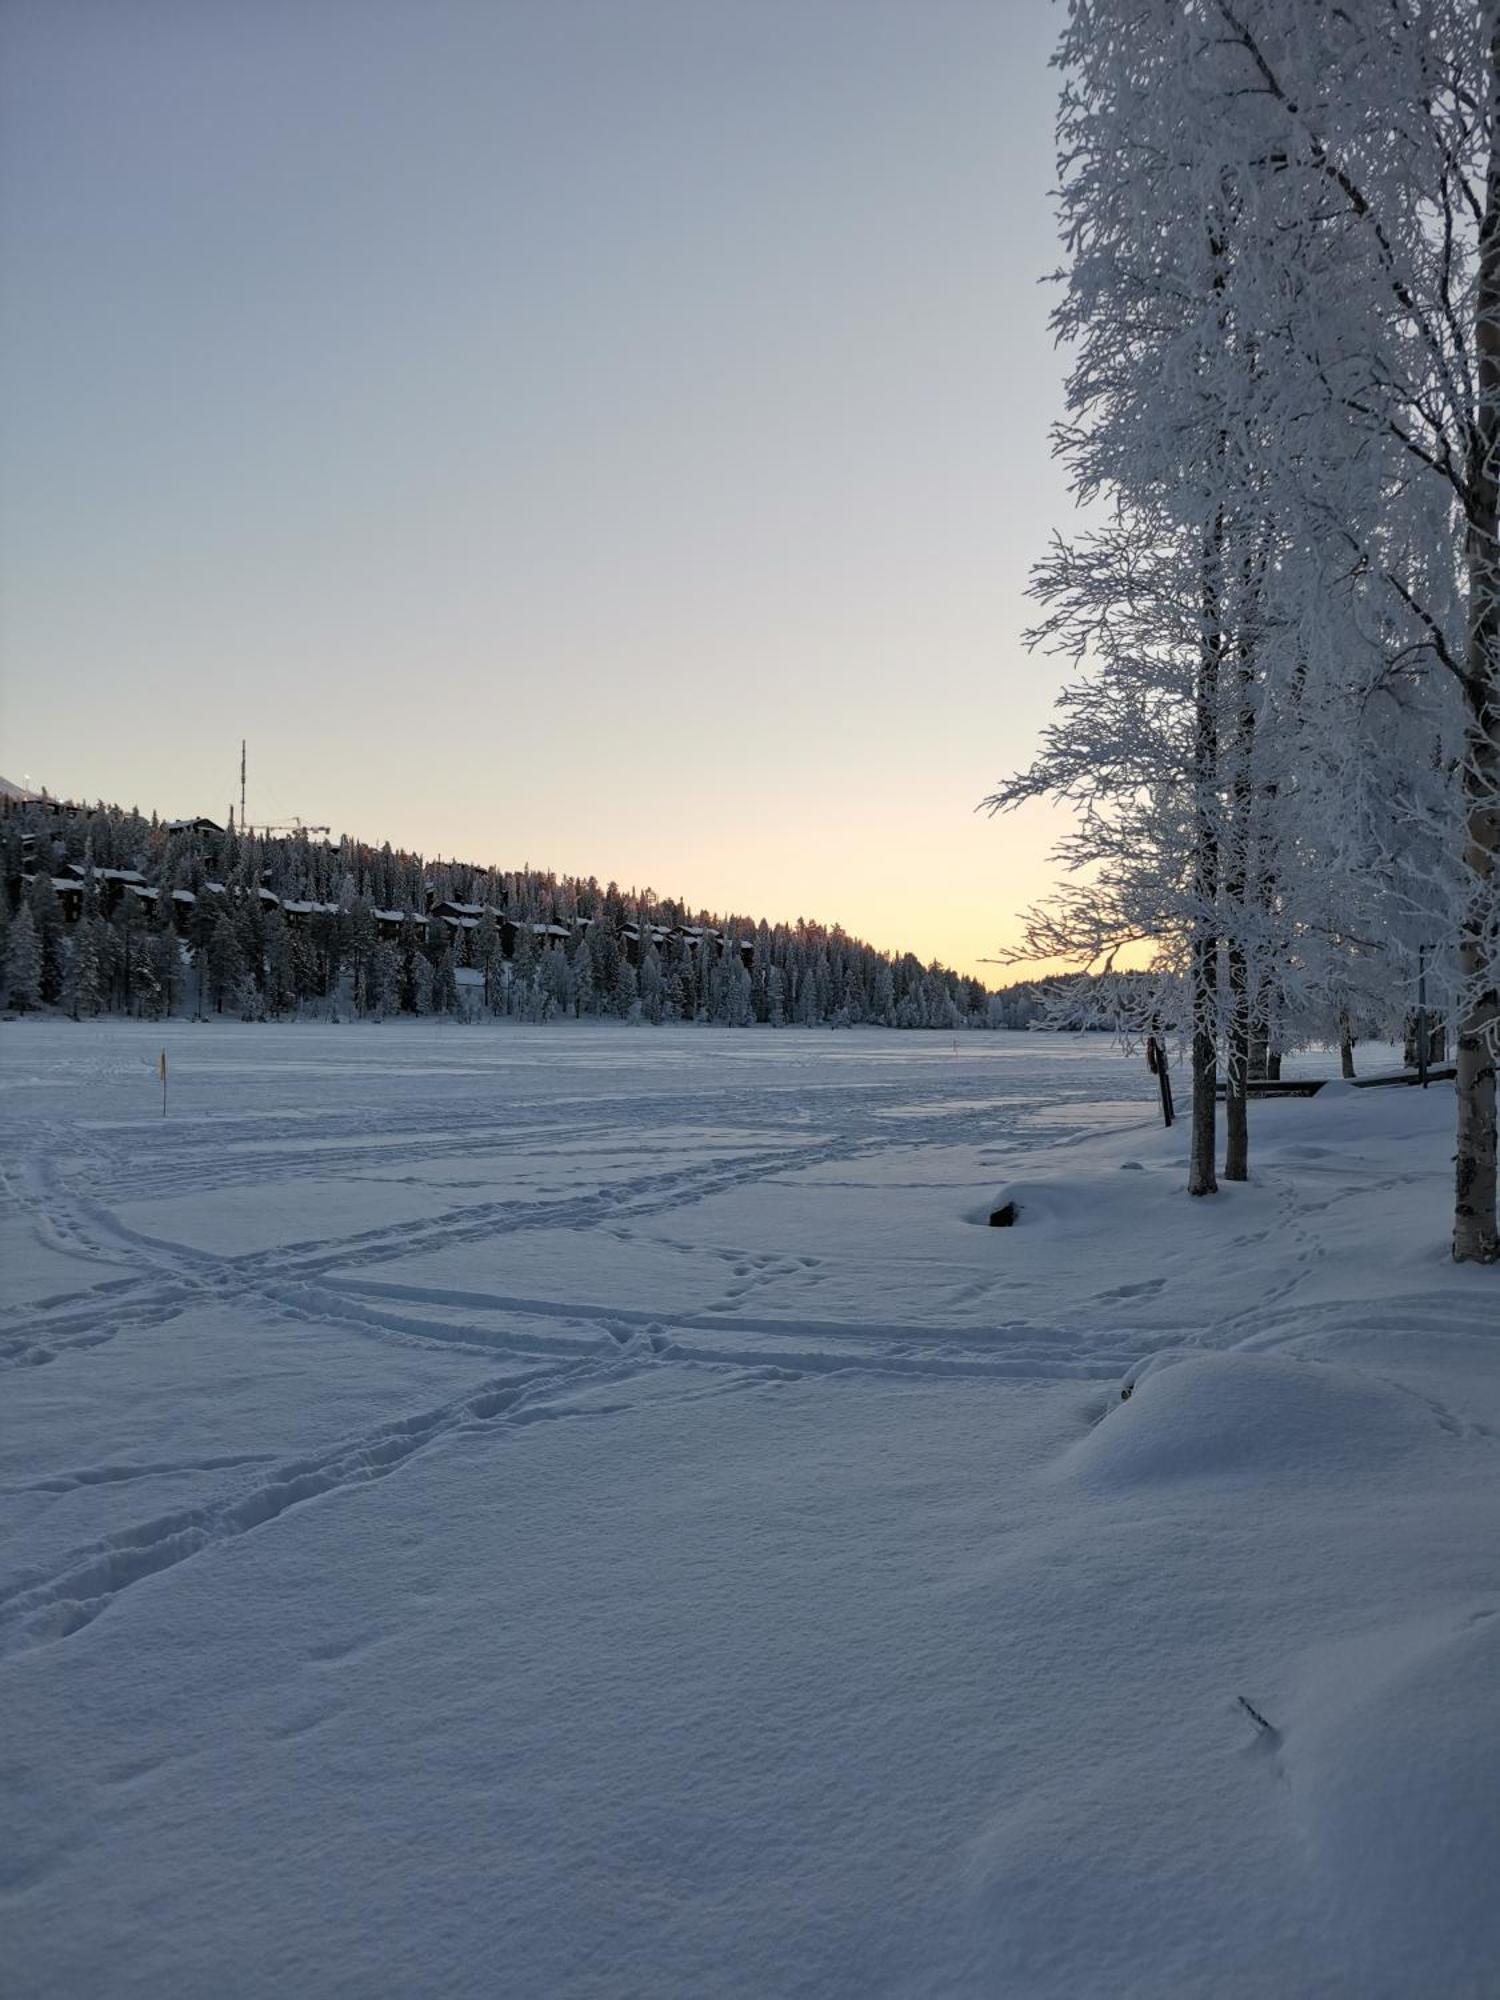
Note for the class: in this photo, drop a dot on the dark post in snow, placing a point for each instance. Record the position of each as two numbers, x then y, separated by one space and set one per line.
1156 1062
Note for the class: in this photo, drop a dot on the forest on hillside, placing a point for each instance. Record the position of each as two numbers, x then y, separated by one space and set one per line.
107 910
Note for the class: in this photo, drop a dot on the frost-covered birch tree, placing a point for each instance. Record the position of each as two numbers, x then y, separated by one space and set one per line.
1385 118
1282 297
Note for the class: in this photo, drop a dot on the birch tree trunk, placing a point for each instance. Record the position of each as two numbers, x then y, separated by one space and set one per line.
1204 962
1476 1237
1237 893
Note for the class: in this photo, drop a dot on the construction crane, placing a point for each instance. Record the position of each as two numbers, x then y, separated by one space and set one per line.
292 825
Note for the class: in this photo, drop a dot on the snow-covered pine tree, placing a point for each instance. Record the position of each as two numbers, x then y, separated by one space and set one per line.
47 916
225 963
164 959
280 982
83 981
488 950
23 962
581 976
625 998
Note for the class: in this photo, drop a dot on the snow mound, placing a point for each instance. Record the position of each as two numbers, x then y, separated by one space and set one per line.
1191 1415
1042 1204
1392 1758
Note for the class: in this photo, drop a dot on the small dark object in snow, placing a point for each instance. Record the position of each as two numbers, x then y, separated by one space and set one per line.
1127 1392
1004 1216
1257 1718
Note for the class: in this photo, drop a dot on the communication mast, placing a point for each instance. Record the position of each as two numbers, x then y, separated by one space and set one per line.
292 825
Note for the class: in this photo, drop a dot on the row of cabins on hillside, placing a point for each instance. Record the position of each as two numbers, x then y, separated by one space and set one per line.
114 886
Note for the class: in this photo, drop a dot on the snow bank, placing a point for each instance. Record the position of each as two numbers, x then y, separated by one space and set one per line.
1392 1763
1216 1416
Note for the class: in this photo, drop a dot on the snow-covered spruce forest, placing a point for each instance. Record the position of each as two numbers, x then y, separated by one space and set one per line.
110 912
1281 734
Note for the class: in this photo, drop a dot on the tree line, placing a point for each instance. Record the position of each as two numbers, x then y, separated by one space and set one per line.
258 927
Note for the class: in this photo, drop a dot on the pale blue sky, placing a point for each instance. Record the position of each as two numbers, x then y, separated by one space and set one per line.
604 433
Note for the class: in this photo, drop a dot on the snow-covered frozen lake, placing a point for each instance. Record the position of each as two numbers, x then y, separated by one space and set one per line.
593 1511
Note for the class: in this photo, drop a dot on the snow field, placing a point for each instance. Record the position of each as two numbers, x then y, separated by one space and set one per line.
589 1512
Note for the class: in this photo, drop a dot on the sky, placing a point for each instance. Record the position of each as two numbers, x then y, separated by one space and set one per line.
609 435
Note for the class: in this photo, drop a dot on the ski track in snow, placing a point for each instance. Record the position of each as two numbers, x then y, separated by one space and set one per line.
68 1181
71 1180
54 1606
67 1193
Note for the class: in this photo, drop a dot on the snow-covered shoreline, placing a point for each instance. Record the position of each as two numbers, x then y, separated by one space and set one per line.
596 1513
